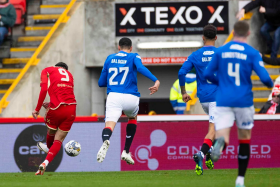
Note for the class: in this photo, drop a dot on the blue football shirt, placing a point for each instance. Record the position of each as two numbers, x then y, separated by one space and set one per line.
234 63
119 73
206 91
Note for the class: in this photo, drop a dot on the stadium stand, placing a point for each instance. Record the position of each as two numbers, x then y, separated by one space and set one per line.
20 6
39 24
36 28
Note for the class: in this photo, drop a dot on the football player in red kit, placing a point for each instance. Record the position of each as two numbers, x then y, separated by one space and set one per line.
61 110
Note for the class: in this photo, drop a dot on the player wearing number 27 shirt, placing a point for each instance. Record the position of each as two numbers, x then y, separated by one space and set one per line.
61 110
119 75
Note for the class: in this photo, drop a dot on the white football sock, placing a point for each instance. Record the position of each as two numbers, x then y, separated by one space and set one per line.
211 148
202 154
239 180
46 162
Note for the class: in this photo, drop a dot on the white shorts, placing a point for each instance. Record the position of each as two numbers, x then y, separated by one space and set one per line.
225 117
118 102
210 109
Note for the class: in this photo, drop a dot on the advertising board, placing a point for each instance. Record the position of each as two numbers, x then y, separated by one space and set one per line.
170 18
166 144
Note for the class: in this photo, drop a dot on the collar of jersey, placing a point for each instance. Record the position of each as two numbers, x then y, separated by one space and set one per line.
238 42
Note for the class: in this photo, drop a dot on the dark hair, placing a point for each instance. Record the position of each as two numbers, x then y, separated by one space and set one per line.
62 64
125 43
210 32
241 28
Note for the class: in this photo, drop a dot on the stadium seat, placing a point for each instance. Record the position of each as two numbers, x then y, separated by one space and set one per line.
20 6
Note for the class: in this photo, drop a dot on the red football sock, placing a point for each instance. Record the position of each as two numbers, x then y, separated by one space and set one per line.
54 150
206 146
50 139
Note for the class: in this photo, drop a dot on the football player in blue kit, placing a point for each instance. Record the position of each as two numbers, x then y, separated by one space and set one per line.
206 92
119 75
234 63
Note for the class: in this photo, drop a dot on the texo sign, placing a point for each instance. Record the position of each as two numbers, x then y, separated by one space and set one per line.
143 19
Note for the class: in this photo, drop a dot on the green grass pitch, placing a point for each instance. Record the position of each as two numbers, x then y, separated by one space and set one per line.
178 178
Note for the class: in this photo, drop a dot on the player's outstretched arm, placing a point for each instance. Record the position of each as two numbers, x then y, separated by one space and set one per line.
186 68
43 93
102 82
186 97
154 88
46 105
142 69
260 70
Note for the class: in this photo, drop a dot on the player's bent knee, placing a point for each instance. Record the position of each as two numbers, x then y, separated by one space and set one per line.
51 131
132 118
60 135
244 134
210 135
110 124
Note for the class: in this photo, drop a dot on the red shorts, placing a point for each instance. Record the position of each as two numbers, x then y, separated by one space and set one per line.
62 118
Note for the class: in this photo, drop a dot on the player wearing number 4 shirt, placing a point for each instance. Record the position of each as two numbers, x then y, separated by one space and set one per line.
61 110
119 75
234 63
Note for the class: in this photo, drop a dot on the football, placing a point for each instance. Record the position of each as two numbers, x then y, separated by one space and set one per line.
72 148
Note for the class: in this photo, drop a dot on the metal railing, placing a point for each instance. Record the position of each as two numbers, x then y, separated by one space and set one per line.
34 60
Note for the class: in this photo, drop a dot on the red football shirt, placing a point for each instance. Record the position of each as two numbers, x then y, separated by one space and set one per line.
59 83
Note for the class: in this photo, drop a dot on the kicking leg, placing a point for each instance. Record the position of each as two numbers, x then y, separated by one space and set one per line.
130 132
113 113
207 145
50 137
130 108
220 143
209 108
59 137
244 137
209 138
198 157
245 123
49 141
224 120
106 134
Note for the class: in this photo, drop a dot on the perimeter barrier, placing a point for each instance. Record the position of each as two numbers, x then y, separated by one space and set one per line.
161 143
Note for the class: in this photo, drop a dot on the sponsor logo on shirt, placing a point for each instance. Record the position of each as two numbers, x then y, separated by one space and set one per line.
121 54
237 47
64 85
206 59
118 61
138 56
208 52
261 63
